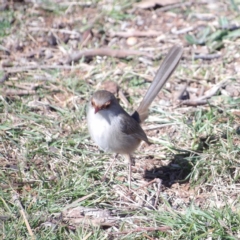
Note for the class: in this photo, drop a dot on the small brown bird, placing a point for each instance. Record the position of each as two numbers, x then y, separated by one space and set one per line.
112 128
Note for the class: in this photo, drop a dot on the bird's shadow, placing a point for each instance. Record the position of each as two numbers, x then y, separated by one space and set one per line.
178 170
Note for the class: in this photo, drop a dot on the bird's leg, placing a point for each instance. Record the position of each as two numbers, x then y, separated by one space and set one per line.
109 167
131 163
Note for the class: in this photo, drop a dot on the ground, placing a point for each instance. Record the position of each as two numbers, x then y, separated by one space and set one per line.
54 55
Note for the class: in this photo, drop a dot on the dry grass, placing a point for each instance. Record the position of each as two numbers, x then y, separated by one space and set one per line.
49 164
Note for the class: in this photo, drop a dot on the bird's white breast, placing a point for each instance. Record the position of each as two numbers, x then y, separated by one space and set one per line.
101 128
105 130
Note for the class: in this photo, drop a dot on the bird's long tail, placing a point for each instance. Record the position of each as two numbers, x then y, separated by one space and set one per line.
164 72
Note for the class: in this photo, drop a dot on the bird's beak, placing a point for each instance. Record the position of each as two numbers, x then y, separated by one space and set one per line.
96 109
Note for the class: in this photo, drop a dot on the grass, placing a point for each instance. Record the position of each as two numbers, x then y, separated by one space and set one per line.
201 224
49 162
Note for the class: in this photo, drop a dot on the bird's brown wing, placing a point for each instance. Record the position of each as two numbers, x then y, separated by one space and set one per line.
130 126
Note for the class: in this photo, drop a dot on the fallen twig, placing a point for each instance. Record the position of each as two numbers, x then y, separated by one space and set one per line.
208 94
182 31
194 102
212 91
207 56
121 53
135 33
22 212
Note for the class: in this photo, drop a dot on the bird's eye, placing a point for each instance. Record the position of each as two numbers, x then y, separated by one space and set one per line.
106 105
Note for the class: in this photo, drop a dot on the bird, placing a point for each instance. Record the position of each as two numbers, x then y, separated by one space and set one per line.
112 128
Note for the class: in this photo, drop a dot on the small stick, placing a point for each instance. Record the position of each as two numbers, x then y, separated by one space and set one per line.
195 102
212 91
208 94
207 56
135 33
22 212
121 53
182 31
